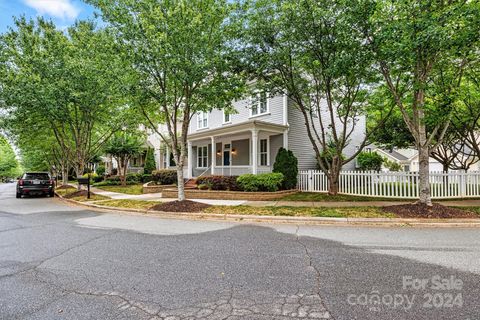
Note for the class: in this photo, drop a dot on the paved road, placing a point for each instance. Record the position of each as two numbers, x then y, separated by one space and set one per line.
64 262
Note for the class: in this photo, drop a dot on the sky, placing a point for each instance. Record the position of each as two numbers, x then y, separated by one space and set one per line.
62 12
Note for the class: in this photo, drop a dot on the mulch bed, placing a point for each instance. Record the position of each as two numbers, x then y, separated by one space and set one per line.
180 206
81 193
437 211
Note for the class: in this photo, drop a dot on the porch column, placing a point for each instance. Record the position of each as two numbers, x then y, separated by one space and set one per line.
254 150
285 139
212 169
189 159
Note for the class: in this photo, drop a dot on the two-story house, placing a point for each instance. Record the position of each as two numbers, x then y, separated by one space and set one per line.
247 141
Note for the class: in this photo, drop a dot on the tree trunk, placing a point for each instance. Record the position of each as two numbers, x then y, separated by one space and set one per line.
445 166
64 175
79 172
424 176
181 183
333 178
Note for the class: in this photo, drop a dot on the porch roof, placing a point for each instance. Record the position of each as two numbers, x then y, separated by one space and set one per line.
238 128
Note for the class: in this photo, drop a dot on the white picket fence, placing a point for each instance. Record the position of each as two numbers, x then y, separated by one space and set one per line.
394 184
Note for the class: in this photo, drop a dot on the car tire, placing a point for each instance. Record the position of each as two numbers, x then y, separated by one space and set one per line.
19 195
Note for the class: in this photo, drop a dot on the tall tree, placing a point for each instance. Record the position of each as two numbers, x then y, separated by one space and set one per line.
307 50
123 146
182 52
417 44
70 83
9 166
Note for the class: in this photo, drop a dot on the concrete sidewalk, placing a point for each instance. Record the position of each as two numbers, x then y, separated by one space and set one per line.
329 204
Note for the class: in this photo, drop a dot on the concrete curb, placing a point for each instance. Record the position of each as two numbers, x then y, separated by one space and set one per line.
385 222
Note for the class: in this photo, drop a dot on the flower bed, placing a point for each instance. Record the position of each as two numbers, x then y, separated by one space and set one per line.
152 187
227 195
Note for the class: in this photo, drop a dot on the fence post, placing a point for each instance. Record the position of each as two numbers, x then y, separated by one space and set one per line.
310 180
462 182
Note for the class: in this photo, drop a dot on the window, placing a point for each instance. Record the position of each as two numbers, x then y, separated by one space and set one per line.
202 157
263 152
226 117
259 104
202 118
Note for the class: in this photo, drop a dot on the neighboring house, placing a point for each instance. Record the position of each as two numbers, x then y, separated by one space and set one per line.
408 159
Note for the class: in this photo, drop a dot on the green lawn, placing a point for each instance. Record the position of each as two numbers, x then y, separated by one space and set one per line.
130 204
129 189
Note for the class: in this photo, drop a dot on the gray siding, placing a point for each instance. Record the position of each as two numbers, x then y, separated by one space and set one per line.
276 142
215 117
242 156
301 146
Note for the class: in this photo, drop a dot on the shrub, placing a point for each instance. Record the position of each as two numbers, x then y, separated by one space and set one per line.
101 170
287 164
392 165
219 182
134 177
165 176
150 164
260 182
370 161
147 178
93 177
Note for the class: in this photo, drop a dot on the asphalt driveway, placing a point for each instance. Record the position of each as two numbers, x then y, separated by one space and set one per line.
63 262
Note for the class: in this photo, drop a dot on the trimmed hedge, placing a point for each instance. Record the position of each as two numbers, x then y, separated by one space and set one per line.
164 176
260 182
226 183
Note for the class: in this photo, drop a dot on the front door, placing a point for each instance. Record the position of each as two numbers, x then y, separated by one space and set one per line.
226 157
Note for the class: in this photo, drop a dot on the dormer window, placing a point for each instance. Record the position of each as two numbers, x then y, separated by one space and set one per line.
202 120
259 104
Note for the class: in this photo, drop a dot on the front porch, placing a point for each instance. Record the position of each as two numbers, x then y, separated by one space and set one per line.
250 147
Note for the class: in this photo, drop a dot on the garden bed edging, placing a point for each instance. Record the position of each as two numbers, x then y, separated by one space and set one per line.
151 187
228 195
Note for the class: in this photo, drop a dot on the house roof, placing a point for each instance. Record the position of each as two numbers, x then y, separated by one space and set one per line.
237 128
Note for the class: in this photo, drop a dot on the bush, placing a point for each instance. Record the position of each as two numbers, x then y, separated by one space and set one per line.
369 161
165 176
392 165
150 164
134 177
260 182
287 164
101 170
219 183
93 177
147 178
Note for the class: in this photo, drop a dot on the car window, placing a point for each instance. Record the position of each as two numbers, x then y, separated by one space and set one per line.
36 176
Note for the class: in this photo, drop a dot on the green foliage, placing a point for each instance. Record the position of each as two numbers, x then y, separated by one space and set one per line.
287 164
325 160
147 178
101 170
370 161
124 146
94 177
218 183
392 165
165 176
9 166
150 164
260 182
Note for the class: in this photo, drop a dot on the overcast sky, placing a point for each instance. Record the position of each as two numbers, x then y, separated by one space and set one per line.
62 12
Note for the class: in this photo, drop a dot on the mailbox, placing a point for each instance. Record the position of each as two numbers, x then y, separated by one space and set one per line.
84 181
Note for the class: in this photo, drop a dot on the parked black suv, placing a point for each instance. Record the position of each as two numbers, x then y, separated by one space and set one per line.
34 183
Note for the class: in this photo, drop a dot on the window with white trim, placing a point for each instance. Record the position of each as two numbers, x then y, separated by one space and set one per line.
263 152
202 120
226 117
202 157
259 104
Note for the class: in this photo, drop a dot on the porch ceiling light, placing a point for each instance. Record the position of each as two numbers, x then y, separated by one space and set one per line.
234 151
219 153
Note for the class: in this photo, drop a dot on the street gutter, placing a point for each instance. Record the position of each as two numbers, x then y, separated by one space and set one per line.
385 222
